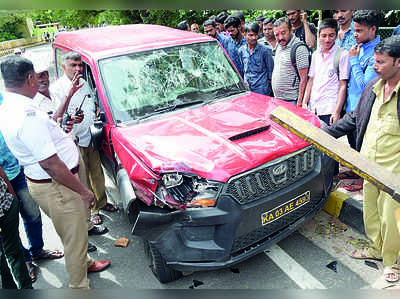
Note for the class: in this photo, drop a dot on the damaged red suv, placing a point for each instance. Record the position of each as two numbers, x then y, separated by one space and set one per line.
206 178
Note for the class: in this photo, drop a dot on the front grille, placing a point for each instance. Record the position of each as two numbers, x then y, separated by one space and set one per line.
272 176
259 235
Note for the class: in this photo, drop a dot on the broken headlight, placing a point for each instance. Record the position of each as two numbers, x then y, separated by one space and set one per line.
172 180
190 190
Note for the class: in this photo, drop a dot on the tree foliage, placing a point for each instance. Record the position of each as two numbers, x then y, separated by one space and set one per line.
74 19
9 21
171 18
392 18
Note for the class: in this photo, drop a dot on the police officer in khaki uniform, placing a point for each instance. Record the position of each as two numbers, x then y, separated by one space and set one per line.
51 163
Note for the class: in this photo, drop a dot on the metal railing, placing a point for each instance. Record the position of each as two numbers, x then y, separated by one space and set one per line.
385 32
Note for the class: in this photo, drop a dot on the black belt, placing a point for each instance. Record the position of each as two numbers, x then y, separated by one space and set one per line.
73 171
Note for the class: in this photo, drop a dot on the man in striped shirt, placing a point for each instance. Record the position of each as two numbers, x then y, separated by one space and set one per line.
285 83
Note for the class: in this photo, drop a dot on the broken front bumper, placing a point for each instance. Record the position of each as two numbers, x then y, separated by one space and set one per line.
218 237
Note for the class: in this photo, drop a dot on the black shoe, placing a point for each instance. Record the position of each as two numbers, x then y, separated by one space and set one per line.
91 247
97 230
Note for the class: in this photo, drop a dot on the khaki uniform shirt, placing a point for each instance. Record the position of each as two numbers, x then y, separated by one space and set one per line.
382 138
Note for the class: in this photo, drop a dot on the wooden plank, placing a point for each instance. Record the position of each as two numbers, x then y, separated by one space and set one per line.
397 215
368 170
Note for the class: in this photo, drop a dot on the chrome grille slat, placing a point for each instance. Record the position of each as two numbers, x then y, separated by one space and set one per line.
271 177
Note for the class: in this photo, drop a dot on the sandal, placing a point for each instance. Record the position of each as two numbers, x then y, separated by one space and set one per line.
354 186
96 219
48 255
347 175
390 275
363 254
396 268
109 208
32 269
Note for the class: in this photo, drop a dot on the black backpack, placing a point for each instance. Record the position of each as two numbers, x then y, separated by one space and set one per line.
293 58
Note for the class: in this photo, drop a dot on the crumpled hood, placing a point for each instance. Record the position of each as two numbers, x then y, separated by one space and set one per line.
197 140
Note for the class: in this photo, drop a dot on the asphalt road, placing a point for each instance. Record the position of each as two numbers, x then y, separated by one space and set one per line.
297 262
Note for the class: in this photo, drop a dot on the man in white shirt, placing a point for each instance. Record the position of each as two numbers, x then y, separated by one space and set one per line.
329 72
84 98
51 163
55 109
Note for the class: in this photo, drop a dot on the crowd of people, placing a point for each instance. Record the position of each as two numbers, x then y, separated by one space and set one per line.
351 81
66 169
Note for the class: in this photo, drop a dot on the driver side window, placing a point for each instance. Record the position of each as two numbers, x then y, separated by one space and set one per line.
88 76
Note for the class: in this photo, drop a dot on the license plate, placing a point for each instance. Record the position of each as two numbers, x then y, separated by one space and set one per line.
285 208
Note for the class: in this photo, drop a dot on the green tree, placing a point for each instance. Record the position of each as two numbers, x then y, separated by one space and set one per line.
119 17
392 18
9 21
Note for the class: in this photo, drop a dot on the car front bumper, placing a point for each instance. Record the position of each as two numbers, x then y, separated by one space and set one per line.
217 237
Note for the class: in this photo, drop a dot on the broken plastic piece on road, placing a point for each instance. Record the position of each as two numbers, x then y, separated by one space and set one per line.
235 270
121 242
195 284
332 266
371 264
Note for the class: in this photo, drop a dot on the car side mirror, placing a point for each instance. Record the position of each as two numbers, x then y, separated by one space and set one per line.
102 116
96 130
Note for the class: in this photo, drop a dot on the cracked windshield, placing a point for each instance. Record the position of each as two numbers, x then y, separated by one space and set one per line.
144 84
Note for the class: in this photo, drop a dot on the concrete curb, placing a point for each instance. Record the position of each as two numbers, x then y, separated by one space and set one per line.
346 209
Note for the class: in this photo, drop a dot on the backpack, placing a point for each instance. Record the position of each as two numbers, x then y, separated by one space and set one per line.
366 63
293 58
336 61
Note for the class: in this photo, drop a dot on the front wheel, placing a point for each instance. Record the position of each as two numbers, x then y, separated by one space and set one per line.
159 266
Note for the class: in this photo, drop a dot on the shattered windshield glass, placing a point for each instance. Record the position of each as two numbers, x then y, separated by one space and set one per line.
140 85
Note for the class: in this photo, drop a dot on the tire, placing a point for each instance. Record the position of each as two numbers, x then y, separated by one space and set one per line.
158 265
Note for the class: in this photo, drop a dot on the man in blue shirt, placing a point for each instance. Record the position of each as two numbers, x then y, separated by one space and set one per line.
257 62
366 24
219 21
396 30
234 41
210 28
29 209
345 37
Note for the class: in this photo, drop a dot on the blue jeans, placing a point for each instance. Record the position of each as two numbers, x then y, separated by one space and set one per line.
31 217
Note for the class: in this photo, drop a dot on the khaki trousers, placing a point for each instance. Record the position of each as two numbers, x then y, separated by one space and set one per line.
94 176
68 214
380 223
83 178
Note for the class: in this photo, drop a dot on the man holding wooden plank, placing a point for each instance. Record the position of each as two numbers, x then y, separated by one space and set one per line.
377 121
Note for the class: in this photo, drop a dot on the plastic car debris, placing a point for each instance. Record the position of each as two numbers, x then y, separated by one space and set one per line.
332 266
371 264
195 284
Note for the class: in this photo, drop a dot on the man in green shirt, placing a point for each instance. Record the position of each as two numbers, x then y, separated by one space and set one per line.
382 145
377 121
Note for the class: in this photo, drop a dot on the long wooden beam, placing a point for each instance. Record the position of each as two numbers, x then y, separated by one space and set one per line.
368 170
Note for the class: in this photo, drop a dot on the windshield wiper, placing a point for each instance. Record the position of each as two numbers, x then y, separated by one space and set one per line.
190 94
226 92
179 105
169 108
